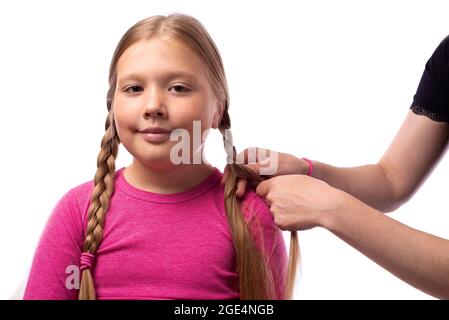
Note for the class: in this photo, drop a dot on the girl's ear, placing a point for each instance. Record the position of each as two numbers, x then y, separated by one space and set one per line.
218 114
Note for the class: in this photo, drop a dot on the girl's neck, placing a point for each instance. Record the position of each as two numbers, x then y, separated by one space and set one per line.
165 181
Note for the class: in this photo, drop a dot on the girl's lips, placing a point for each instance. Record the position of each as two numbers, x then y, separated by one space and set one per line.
155 137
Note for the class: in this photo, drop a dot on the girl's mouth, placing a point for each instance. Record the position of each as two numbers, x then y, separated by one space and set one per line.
155 137
155 134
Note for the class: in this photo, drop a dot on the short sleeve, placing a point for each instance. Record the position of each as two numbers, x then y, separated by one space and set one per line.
432 96
270 240
54 273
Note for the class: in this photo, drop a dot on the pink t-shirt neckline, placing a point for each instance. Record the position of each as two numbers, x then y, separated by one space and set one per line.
196 191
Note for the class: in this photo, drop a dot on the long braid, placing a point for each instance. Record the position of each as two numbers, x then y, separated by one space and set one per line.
260 284
101 195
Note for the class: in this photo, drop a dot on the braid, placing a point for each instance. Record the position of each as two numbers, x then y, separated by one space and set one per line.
101 195
255 276
229 146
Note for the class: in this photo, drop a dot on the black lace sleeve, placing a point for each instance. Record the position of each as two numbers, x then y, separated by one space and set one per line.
432 96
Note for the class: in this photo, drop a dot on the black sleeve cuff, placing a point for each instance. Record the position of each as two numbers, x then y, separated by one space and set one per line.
417 109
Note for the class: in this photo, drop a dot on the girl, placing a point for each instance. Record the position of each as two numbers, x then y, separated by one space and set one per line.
160 229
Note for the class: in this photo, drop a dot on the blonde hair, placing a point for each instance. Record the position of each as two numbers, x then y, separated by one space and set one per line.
255 274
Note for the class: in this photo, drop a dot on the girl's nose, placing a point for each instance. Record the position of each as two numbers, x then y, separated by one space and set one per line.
155 106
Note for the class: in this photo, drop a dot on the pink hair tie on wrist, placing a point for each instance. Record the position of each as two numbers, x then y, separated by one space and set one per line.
87 260
309 172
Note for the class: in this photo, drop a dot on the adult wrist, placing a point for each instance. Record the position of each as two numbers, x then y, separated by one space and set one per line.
309 170
344 209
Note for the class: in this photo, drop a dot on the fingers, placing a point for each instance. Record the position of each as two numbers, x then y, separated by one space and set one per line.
241 183
263 188
253 159
253 167
241 187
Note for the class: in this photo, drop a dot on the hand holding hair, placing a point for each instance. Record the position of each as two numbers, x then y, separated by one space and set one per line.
255 158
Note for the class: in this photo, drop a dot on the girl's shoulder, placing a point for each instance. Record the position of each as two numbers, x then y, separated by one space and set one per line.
256 208
72 206
80 194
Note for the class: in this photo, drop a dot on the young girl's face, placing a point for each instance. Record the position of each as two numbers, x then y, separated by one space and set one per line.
160 83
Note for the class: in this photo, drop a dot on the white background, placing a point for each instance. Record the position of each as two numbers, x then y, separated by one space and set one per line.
329 80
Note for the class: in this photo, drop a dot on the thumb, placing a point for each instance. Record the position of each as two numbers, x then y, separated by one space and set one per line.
263 188
253 167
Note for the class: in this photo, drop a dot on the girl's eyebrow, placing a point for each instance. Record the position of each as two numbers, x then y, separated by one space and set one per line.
165 77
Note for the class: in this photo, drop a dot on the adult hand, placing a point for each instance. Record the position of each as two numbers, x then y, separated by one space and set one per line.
300 202
258 159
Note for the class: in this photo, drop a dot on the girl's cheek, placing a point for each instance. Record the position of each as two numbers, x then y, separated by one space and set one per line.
124 126
191 112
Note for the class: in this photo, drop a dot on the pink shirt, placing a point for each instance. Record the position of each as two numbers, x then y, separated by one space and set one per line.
155 246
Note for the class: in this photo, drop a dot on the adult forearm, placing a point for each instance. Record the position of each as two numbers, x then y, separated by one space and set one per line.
418 258
369 183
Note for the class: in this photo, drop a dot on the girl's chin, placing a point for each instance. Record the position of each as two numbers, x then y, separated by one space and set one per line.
156 163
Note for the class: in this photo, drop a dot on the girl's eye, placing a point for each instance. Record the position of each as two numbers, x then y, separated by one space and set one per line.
180 89
132 87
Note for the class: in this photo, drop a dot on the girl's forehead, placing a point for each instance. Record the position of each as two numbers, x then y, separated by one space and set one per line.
159 54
